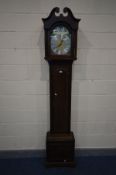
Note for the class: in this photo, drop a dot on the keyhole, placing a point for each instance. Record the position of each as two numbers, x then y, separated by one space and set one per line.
60 71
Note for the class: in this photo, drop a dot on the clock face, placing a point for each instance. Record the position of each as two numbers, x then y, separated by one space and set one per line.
60 39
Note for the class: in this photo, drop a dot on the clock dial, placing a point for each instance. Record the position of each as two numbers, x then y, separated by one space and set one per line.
60 40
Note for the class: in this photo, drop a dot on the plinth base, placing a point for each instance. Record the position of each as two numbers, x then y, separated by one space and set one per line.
60 149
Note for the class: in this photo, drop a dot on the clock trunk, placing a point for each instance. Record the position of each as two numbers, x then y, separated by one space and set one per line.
60 96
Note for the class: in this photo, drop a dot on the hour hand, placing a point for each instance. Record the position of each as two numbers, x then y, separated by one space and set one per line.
60 44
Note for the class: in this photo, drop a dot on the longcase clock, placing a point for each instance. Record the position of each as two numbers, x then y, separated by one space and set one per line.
60 51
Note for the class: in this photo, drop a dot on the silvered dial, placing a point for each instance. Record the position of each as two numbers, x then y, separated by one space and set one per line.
60 39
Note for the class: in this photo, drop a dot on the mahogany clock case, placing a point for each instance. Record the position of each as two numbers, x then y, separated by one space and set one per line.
60 142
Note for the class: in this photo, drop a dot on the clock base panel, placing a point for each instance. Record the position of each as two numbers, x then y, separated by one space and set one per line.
60 149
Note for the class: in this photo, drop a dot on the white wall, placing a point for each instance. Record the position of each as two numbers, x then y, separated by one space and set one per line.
24 85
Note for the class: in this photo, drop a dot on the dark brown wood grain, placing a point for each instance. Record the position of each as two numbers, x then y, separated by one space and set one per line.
60 96
60 149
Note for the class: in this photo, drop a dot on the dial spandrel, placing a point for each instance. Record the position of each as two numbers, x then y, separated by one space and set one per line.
60 40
